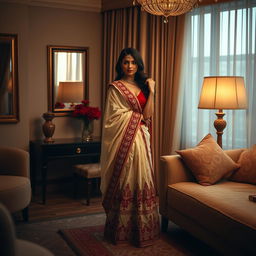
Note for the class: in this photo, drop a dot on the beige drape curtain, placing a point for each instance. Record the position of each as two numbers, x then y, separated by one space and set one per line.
121 28
160 45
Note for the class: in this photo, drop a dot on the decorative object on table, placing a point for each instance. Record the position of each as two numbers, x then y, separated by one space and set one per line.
167 8
88 115
222 92
59 105
48 127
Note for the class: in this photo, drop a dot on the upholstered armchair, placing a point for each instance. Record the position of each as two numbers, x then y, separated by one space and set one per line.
10 245
15 187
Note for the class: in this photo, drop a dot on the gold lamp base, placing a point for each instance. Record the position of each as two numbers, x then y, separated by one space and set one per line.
220 125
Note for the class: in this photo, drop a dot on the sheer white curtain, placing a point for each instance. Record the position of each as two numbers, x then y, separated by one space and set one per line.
68 66
219 41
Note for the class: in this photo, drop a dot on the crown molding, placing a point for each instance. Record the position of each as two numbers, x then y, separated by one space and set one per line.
91 5
116 4
82 5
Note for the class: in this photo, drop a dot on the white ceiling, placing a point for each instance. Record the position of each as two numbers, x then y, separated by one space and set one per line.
84 5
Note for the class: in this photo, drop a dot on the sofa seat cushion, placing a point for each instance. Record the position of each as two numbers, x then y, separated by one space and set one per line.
227 197
15 192
222 209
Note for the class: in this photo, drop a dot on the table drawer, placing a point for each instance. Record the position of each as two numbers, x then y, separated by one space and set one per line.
87 149
69 150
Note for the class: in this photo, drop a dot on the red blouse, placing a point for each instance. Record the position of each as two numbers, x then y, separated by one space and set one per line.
142 99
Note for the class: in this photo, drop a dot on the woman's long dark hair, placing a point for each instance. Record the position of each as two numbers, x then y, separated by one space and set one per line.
140 76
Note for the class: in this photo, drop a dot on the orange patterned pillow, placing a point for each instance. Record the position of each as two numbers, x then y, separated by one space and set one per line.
247 171
207 161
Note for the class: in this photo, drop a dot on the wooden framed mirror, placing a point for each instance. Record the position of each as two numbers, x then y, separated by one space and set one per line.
67 78
9 98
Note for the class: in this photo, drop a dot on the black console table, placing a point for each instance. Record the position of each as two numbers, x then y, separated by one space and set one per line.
42 153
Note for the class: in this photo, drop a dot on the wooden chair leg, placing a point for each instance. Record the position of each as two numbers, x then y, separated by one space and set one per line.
88 188
75 185
98 186
164 224
25 214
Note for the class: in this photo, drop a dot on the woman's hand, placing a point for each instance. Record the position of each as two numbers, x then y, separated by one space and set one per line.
151 85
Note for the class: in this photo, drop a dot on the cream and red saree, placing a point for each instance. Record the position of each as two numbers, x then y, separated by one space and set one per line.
127 183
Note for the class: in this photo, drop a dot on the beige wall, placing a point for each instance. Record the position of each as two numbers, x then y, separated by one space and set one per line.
14 19
38 27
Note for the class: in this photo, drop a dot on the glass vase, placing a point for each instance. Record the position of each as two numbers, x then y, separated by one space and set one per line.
87 130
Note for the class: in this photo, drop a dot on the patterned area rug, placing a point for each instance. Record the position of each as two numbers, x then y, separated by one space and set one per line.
89 241
46 233
84 236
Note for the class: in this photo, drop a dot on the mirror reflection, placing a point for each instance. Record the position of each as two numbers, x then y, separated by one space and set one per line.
8 78
68 78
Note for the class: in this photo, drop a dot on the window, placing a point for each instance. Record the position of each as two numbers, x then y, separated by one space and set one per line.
68 66
219 41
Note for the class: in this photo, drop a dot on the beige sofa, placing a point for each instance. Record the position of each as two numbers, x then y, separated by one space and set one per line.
221 214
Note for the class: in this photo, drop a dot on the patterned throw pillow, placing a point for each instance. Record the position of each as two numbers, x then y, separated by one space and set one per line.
247 171
207 161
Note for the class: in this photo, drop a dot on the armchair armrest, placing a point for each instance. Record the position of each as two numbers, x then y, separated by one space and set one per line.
172 170
14 161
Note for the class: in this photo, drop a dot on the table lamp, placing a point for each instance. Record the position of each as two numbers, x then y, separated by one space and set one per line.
222 92
70 92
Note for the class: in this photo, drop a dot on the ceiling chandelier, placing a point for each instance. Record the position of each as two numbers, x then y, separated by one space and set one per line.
167 8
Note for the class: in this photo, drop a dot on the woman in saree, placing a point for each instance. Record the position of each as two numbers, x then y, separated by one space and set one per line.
127 181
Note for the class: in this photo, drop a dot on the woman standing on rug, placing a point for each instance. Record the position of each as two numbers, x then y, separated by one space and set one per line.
127 182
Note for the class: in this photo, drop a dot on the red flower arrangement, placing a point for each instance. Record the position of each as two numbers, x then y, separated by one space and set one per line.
84 111
59 105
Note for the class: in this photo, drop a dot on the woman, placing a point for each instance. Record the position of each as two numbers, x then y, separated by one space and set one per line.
127 182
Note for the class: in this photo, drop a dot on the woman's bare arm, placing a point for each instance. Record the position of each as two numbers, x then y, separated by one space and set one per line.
149 108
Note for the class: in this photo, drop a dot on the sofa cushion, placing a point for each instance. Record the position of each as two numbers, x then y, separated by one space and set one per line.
247 171
207 161
222 209
227 197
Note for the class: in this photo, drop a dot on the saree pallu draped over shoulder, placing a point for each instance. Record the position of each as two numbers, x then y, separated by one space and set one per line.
127 183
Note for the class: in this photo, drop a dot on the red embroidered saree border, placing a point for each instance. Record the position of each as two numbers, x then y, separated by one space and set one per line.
141 227
129 96
126 143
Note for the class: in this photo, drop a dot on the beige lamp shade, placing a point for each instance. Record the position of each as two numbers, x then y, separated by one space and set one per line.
70 92
223 92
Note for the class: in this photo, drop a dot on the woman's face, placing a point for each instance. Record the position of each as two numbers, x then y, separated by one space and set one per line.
129 66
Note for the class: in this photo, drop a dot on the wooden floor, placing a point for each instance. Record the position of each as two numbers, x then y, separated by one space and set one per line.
62 205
